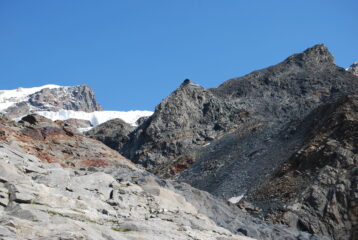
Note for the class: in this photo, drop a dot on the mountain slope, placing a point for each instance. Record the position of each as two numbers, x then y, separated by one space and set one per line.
316 189
265 106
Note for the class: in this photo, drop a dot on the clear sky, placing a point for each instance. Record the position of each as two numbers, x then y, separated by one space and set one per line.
134 53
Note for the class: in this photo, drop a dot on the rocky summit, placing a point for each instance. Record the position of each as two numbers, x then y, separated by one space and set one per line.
270 155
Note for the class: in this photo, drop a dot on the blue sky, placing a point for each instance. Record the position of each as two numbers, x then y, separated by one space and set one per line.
134 53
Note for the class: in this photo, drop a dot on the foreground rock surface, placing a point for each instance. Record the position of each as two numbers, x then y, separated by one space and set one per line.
45 201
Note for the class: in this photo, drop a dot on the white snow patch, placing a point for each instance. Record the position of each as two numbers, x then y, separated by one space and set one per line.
82 130
96 117
235 200
10 97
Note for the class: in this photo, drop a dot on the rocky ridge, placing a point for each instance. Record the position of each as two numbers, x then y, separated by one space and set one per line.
189 118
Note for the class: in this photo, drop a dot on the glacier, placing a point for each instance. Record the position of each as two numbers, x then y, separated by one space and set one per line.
97 117
11 97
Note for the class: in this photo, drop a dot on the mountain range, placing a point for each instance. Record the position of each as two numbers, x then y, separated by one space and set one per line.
270 155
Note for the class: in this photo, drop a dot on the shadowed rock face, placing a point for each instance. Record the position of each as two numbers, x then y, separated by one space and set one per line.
77 98
315 190
190 117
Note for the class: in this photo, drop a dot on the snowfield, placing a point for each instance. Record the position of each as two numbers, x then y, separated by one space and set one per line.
97 117
235 200
11 97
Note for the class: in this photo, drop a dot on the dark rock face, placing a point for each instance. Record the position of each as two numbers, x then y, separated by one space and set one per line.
190 117
353 68
77 98
114 133
141 120
261 106
316 189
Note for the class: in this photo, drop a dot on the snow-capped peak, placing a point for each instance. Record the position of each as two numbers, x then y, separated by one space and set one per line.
10 97
62 103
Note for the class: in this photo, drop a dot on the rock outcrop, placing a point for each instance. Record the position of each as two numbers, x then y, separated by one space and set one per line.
353 68
189 118
114 133
57 142
77 98
78 123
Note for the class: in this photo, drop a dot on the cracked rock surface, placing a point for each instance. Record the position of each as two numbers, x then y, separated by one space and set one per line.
50 202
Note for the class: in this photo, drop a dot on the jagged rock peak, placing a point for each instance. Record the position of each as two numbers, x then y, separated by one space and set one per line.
316 56
189 83
353 68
